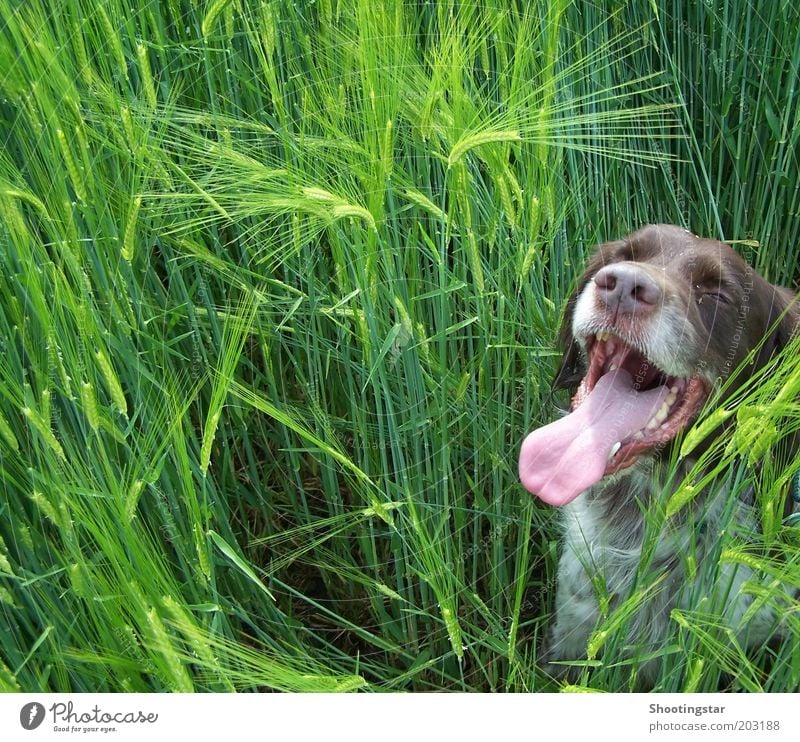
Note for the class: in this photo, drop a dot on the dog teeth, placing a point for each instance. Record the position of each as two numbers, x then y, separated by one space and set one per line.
603 336
614 450
613 367
670 398
659 417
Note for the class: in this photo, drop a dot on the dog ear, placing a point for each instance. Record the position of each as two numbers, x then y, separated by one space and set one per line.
570 371
780 315
786 312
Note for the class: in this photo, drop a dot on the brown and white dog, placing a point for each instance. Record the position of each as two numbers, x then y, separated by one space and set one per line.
658 320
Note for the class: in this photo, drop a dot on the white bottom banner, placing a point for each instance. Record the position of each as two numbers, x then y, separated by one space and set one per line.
355 717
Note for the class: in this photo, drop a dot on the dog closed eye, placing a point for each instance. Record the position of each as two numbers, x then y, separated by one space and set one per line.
716 296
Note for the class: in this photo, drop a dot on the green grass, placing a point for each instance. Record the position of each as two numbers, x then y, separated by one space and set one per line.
280 286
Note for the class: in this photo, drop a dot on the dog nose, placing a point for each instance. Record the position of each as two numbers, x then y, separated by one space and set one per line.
627 287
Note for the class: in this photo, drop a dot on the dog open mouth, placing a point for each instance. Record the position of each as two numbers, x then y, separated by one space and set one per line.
625 406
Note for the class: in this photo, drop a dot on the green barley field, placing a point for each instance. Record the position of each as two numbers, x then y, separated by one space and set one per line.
280 284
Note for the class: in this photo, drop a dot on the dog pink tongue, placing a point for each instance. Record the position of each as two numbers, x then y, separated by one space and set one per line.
561 460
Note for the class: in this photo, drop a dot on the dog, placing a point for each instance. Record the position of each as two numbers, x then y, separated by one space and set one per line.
658 322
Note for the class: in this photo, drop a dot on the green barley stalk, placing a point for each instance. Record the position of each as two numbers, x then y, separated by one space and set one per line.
236 331
147 76
128 241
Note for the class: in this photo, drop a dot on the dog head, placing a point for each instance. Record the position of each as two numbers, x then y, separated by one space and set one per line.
659 320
